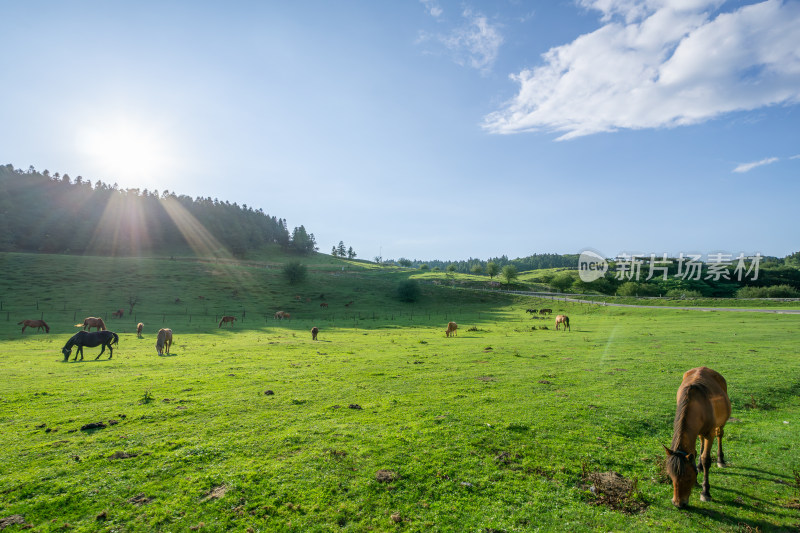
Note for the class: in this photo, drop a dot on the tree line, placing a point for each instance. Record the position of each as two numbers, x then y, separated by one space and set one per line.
40 212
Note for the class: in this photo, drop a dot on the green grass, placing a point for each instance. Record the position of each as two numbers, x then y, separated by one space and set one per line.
491 430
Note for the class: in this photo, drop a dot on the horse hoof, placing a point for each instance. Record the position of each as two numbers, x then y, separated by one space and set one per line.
705 498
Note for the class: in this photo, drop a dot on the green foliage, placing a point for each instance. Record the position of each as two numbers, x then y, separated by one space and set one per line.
423 266
408 291
562 281
295 272
683 293
451 268
510 273
404 262
73 210
492 269
303 242
774 291
477 269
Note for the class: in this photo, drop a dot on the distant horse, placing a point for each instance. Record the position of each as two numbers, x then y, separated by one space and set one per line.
117 314
90 339
92 322
323 305
452 329
562 319
280 315
531 311
139 327
164 341
225 320
348 304
545 311
314 332
38 324
703 408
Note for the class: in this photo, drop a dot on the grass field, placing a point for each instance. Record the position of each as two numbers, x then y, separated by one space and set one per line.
383 424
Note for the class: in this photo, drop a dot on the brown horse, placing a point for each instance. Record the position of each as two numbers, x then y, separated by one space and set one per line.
38 324
280 315
562 319
139 327
323 305
117 314
92 322
703 408
452 329
545 311
314 333
225 320
164 341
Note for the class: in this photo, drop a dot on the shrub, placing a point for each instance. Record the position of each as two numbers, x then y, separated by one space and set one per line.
295 272
408 291
773 291
683 293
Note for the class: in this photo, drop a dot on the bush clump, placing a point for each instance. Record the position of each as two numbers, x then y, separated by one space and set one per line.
408 291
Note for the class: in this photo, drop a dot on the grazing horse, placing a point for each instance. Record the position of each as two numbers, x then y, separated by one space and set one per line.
323 305
545 311
348 304
90 339
38 324
164 341
92 322
562 319
118 313
314 332
226 319
280 315
139 327
452 329
703 408
531 311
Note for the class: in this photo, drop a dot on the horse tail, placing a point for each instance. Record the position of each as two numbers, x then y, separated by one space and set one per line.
79 325
20 323
116 338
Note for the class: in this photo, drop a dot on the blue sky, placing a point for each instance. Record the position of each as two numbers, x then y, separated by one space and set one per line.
429 129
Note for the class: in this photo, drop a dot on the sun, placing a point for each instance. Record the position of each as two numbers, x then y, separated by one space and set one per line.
125 149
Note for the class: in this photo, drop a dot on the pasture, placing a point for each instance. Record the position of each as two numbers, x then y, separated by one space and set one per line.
383 423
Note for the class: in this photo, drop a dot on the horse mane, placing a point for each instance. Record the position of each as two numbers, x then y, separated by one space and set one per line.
676 463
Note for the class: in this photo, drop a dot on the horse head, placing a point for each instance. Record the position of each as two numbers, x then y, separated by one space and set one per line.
67 352
683 472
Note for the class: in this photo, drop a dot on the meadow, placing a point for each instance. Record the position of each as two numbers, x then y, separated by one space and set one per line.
383 424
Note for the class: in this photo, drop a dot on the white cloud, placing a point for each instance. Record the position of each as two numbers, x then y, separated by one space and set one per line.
434 9
475 43
747 167
659 63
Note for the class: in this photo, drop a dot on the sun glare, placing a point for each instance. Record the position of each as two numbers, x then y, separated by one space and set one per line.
126 150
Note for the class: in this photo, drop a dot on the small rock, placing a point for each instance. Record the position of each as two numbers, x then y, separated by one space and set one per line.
354 406
268 393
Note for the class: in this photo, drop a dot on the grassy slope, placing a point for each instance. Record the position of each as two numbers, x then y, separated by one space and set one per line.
477 437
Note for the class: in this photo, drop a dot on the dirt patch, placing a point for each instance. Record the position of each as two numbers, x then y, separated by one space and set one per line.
486 378
122 455
215 493
140 499
386 476
614 490
93 425
14 519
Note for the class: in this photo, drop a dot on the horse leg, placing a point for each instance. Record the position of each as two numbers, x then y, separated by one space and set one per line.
79 351
720 455
110 351
23 328
705 459
101 352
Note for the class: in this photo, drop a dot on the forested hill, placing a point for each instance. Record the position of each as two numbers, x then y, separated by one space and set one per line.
40 212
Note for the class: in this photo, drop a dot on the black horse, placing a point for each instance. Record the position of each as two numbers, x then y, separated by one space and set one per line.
91 339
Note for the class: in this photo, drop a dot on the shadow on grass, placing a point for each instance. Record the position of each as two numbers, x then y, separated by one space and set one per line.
168 355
